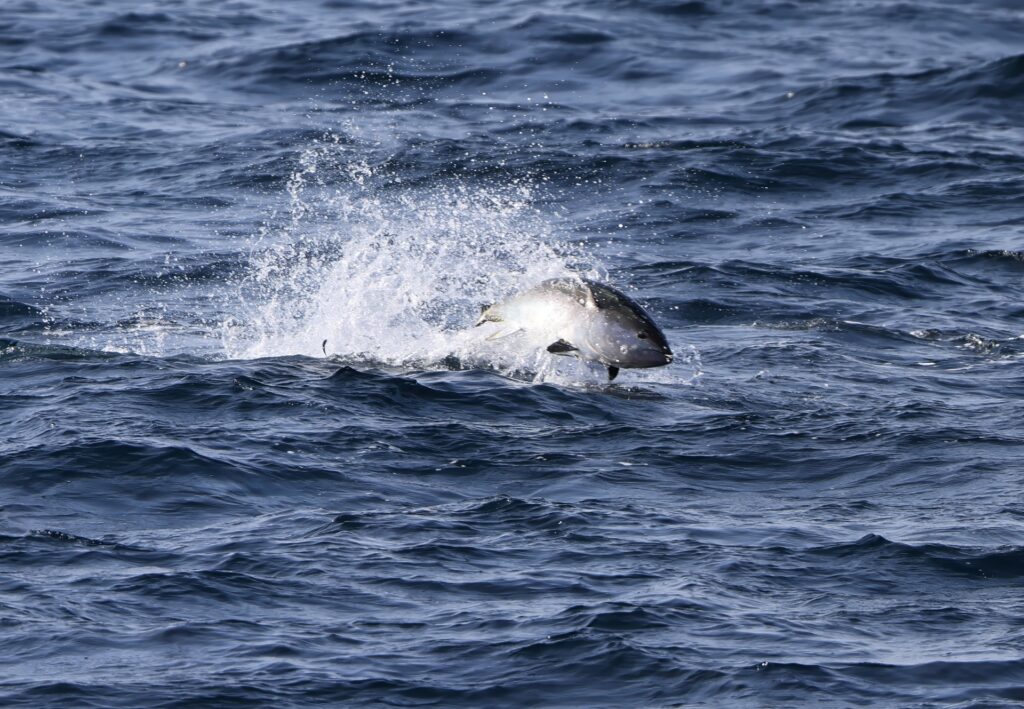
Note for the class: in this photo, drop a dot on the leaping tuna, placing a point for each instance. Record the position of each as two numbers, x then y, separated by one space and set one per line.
585 319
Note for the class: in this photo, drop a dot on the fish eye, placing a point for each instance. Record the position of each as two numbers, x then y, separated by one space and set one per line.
642 335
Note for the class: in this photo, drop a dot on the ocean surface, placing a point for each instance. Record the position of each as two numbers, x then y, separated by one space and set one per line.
819 503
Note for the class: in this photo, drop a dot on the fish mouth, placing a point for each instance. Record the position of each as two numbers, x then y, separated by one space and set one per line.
647 360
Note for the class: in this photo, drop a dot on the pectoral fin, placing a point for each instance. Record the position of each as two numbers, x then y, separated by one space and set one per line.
503 334
561 347
612 373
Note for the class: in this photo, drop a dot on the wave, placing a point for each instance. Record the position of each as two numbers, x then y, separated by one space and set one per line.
15 310
399 63
985 92
940 558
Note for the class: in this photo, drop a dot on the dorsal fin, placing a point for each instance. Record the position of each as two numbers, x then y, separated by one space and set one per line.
487 314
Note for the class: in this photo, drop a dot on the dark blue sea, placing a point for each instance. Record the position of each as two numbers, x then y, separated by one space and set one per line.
818 503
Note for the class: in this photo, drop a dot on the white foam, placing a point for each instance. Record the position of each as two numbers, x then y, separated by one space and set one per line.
391 274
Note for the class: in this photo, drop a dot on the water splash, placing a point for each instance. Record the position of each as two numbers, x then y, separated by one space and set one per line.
392 274
389 274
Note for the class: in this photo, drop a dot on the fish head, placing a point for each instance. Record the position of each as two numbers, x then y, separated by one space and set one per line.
622 334
630 343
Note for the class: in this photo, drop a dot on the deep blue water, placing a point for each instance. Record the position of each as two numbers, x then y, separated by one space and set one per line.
818 504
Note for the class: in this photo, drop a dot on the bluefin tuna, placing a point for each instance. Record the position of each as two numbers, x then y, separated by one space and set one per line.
585 319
